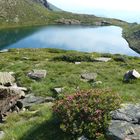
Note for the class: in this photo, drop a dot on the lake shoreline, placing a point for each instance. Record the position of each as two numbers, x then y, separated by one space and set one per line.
61 36
85 20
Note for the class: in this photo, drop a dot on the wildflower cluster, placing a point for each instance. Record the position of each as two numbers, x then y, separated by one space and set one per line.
86 112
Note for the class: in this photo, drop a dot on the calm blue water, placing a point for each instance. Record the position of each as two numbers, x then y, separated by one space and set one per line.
87 39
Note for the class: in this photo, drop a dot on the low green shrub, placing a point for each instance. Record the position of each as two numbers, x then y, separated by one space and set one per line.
87 112
74 58
120 59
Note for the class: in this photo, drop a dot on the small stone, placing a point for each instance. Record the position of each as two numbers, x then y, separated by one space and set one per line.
77 63
102 59
89 76
58 90
37 74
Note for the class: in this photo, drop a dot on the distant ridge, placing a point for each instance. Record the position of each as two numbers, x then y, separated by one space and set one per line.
48 5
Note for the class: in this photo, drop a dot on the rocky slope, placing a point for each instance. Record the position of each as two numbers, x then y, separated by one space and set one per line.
24 12
48 5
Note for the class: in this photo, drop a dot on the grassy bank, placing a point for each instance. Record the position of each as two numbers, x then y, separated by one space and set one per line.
38 123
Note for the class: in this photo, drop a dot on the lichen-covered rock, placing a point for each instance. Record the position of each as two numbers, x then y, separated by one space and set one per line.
125 123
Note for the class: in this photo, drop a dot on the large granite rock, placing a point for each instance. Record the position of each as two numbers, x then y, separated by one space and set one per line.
130 75
37 74
125 123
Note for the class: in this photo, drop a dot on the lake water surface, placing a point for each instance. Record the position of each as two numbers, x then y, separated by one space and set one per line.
81 38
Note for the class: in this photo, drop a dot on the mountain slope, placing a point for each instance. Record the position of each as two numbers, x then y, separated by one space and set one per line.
48 5
22 12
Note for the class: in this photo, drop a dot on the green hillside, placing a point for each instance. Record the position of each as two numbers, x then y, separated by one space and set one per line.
22 12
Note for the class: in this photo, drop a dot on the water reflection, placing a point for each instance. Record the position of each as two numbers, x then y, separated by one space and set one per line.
11 36
88 39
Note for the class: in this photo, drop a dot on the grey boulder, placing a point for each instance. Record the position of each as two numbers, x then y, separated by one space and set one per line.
130 75
31 100
125 124
37 74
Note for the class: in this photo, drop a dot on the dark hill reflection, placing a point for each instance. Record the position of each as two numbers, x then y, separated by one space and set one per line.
11 36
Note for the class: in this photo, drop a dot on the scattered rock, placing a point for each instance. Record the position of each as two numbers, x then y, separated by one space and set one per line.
68 21
31 100
37 74
58 90
89 76
6 79
102 59
2 134
130 75
125 123
77 63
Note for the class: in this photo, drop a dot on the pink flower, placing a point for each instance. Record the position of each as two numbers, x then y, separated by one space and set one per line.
70 98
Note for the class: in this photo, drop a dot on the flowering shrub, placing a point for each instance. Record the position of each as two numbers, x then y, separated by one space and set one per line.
86 112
